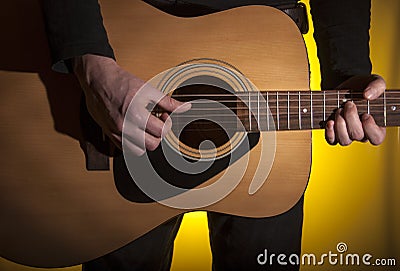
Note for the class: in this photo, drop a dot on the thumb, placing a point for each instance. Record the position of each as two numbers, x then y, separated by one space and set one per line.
172 105
375 88
164 101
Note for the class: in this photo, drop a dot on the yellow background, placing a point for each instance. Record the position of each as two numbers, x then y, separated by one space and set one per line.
353 194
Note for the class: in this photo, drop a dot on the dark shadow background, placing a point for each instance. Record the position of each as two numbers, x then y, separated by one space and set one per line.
24 48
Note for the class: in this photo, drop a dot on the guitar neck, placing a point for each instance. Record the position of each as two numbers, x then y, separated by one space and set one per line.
304 110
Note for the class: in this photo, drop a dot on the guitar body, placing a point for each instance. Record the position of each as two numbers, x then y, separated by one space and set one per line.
56 213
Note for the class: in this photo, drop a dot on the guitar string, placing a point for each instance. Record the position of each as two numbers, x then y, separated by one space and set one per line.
234 127
281 106
283 92
376 109
296 100
361 103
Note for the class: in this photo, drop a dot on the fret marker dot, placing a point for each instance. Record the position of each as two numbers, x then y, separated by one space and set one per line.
344 100
393 108
305 110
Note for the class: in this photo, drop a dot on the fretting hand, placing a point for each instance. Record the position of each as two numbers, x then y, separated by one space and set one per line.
347 126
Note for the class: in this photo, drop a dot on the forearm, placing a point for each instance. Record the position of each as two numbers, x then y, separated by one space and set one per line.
341 31
74 28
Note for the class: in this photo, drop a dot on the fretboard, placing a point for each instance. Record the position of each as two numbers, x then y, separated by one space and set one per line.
298 110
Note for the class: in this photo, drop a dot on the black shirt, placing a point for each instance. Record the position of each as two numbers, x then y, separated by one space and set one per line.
341 31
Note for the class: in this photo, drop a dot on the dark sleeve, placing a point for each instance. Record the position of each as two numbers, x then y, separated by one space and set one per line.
74 28
341 31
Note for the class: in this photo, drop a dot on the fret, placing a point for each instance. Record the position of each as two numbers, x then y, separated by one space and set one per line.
392 106
373 108
306 110
318 104
248 112
312 112
262 112
293 110
345 96
288 110
338 98
268 112
273 109
331 103
299 105
283 110
277 110
384 108
242 110
324 106
258 109
259 119
250 115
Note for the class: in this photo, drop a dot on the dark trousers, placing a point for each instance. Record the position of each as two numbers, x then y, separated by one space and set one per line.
236 242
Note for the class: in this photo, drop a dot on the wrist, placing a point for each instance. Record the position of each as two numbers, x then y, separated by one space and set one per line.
91 67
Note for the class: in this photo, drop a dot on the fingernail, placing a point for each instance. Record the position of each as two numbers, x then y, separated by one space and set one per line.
350 104
365 116
186 106
369 94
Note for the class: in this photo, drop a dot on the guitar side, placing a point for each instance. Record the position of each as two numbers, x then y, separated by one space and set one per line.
55 213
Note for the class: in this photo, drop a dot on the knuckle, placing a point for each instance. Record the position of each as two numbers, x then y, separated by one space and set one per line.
378 139
331 140
350 111
156 127
137 117
350 106
151 145
330 136
172 104
367 120
159 130
356 134
345 142
340 124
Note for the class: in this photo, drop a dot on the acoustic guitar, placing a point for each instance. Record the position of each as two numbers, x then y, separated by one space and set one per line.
246 142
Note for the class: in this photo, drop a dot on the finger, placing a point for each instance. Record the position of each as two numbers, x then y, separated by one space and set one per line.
155 126
330 132
137 116
151 142
375 88
353 123
164 101
142 139
167 124
340 127
373 132
172 105
133 148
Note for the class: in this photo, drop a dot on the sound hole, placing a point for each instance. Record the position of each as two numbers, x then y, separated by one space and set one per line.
211 122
